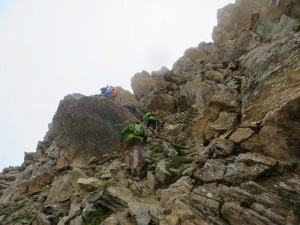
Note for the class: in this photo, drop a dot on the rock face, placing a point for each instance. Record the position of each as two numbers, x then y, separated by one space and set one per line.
125 96
244 25
142 83
85 127
228 145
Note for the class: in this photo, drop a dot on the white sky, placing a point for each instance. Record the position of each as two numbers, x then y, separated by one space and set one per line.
51 48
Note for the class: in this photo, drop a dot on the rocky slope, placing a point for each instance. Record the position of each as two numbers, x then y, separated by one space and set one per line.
228 146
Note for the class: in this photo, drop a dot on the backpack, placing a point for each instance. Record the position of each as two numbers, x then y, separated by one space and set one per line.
137 129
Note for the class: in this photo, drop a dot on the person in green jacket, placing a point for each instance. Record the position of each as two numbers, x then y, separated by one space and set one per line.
135 135
152 120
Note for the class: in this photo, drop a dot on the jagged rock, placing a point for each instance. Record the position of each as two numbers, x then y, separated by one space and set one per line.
199 53
239 172
111 221
179 204
89 208
213 170
253 158
77 221
215 76
168 149
181 187
290 195
92 197
65 186
9 176
167 81
10 169
63 221
140 212
225 121
142 83
273 82
162 175
116 198
151 181
180 212
89 184
270 214
295 184
253 188
53 151
219 148
41 220
194 92
160 101
171 131
4 184
75 211
32 180
114 166
186 68
226 99
29 156
249 22
236 214
106 176
273 208
241 134
62 164
124 96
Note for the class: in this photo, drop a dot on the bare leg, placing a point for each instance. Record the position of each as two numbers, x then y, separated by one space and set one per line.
127 158
135 158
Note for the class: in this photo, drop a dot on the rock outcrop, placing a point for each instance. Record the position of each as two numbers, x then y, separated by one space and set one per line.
141 84
85 127
228 144
125 96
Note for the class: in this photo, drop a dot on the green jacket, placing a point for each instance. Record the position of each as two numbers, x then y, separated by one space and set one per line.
150 116
128 132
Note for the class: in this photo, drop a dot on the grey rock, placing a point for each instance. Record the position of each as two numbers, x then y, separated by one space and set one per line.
162 175
140 213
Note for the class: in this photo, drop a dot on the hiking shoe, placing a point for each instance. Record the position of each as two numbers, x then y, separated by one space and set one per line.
128 171
134 172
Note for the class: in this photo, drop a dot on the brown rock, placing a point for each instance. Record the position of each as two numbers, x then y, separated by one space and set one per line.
241 134
236 214
142 83
86 127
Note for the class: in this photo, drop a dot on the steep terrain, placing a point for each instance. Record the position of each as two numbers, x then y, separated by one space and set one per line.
228 146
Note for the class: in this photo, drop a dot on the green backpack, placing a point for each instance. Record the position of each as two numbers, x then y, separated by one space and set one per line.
137 129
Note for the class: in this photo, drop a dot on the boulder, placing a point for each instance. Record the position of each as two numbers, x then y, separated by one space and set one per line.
87 126
142 83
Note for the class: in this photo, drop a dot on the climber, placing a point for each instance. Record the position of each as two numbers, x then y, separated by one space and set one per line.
103 90
108 92
114 94
151 120
136 137
142 95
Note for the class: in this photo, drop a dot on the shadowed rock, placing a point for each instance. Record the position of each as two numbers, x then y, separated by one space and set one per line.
84 127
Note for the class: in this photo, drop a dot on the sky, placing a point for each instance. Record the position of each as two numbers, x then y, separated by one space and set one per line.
52 48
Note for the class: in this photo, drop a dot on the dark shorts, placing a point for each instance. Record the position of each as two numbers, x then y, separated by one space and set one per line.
134 144
152 124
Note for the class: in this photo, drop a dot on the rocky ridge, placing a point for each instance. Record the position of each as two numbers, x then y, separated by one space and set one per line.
228 148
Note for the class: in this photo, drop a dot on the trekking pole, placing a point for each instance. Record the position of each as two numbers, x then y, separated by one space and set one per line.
151 131
120 124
